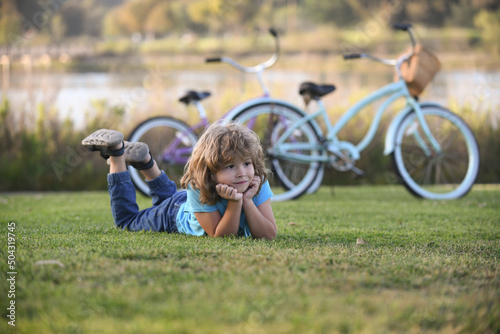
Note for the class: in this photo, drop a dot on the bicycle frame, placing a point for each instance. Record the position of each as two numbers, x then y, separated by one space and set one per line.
176 155
333 144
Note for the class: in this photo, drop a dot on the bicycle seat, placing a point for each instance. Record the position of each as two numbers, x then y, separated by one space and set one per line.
192 95
315 91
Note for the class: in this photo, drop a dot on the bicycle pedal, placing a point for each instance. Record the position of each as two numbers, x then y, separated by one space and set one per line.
358 173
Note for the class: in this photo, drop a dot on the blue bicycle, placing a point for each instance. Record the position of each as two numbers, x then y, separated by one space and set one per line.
434 152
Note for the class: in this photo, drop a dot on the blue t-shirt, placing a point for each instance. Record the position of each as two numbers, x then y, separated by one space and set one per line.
188 224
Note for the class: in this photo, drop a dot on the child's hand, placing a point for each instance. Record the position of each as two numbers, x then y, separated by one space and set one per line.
252 189
228 192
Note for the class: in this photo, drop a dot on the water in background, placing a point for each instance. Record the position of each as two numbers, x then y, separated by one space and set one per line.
150 92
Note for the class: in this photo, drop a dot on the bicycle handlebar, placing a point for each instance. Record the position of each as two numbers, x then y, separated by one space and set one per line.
393 62
213 60
253 69
348 56
402 26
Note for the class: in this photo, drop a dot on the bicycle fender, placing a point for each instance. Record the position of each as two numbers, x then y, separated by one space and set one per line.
264 100
390 136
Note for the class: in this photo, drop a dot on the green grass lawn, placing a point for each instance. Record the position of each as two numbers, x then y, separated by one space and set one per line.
427 267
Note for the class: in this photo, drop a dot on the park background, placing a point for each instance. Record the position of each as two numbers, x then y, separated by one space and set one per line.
70 67
350 259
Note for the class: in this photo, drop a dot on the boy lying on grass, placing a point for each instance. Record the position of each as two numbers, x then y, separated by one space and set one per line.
226 191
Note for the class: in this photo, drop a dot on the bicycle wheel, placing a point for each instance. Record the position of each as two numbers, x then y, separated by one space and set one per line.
170 142
289 178
448 174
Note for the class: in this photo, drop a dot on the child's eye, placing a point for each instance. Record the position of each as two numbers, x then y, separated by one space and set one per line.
248 163
229 166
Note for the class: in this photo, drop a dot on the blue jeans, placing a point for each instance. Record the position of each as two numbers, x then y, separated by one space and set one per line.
161 217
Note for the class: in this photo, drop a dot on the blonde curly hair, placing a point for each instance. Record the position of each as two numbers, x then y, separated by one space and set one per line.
219 145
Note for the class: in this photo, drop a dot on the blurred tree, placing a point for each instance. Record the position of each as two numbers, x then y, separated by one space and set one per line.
488 22
10 19
27 9
154 18
202 14
128 18
215 15
95 11
429 12
338 13
486 4
240 16
73 17
57 28
264 19
111 25
160 20
133 16
461 14
362 8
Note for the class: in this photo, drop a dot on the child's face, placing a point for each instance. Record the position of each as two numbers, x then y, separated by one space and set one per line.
238 174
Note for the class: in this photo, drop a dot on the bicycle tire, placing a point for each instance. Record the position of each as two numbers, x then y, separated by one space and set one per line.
170 141
289 179
447 175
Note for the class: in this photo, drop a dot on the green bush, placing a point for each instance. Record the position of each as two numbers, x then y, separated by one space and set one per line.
48 155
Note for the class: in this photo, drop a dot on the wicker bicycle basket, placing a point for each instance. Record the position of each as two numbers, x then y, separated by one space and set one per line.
419 70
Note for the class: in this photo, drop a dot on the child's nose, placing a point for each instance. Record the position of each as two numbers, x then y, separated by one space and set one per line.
241 171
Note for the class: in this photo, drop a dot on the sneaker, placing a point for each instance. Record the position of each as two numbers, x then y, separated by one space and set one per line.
102 139
135 154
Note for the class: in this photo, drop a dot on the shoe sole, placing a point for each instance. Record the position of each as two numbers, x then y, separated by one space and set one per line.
135 152
102 139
